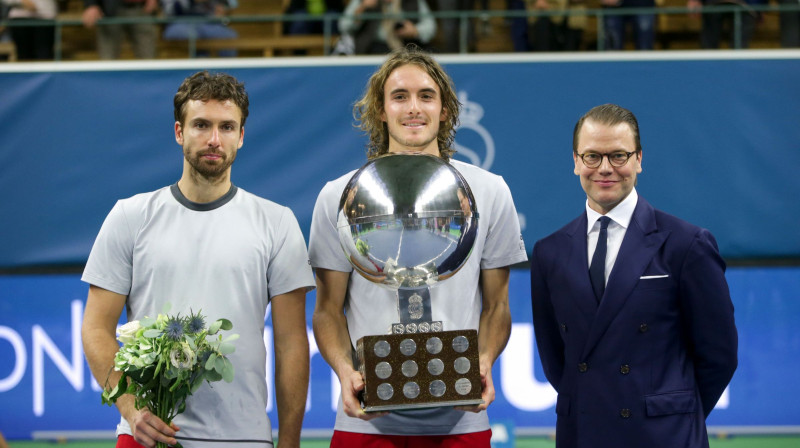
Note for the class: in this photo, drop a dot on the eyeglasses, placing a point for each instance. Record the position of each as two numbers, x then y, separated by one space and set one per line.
616 158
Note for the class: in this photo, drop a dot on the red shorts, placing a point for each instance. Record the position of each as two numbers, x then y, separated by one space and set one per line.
343 439
126 441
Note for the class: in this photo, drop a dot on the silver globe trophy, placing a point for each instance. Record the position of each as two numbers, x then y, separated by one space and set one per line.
407 222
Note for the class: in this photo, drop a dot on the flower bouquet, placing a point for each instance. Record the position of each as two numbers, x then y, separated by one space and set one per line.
165 359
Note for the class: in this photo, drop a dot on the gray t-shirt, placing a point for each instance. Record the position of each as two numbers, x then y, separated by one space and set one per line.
225 259
371 309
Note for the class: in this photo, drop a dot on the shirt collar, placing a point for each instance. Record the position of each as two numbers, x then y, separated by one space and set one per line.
621 214
202 207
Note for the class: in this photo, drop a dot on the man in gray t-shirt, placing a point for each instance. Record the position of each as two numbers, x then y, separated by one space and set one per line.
203 244
410 106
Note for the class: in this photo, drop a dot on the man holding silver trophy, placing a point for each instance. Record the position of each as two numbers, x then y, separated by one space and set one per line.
412 256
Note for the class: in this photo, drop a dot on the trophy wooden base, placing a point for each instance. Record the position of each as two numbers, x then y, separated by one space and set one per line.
420 370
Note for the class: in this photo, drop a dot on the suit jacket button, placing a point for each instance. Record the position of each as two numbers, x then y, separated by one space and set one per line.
625 369
625 413
564 328
643 328
583 367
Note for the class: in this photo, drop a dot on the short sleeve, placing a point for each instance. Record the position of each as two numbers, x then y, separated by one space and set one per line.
110 263
504 244
289 266
323 242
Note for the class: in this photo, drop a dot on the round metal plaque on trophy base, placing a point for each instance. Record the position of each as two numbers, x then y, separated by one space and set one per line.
441 370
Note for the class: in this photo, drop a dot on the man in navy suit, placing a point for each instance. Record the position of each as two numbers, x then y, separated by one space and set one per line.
641 342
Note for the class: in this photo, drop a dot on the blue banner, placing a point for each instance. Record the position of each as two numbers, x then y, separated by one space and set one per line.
720 137
46 385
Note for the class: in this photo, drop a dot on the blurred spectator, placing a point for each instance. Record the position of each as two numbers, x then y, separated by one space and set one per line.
199 8
790 25
142 36
32 42
4 37
717 24
382 36
557 32
519 26
451 27
643 24
316 8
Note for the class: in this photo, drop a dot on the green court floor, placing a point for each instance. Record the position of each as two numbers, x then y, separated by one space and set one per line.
526 442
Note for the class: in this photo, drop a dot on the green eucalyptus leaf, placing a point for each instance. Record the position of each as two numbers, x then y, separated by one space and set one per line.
227 373
152 333
197 384
226 324
232 337
212 375
219 365
210 362
214 328
226 348
147 321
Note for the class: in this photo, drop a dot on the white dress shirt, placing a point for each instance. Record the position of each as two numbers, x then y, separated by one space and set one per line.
620 220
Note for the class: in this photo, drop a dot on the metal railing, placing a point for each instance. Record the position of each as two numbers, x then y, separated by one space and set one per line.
464 17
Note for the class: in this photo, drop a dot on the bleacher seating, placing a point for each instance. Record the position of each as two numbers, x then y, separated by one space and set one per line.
266 39
8 51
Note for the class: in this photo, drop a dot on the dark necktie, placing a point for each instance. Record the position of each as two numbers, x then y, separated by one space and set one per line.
597 270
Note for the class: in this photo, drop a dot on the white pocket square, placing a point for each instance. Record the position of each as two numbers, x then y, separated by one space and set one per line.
648 277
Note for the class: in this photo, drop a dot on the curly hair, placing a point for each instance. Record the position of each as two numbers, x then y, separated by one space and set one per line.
368 110
204 86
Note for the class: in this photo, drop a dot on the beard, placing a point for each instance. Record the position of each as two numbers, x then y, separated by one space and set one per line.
412 143
207 169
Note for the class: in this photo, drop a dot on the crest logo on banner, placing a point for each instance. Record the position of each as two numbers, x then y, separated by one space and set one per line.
474 143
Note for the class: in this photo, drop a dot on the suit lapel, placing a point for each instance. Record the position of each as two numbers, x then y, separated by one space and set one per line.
642 241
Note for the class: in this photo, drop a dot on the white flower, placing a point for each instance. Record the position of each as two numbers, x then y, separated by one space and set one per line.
148 358
127 332
183 357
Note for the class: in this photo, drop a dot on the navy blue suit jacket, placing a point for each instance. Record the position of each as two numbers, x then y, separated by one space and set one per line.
645 366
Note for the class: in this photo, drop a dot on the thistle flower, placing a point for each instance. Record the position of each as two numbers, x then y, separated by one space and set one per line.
174 329
195 324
